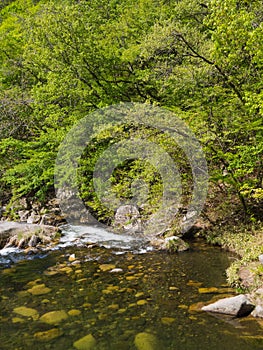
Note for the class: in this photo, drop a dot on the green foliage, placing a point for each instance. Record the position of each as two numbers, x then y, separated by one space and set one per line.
60 60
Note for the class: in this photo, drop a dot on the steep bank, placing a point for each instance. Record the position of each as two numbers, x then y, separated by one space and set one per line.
246 272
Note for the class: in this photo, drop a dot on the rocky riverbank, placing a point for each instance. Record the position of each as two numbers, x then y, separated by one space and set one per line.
246 272
27 236
38 227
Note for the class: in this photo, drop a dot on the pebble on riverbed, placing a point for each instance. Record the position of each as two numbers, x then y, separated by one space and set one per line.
26 312
86 343
39 289
146 341
54 317
48 335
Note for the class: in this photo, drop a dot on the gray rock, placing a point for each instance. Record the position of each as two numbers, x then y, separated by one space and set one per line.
23 215
33 218
237 306
116 270
260 258
258 311
127 218
25 235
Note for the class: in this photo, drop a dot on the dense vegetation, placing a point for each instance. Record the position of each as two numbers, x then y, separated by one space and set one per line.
60 60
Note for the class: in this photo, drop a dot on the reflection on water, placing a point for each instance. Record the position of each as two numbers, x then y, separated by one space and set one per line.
116 296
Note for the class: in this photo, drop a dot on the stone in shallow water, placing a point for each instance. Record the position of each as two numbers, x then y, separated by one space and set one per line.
258 311
48 335
86 343
236 306
39 289
74 312
207 290
18 320
26 312
196 307
54 317
167 320
107 267
146 341
116 270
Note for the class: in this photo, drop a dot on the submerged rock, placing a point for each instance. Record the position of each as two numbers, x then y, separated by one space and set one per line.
86 343
39 289
48 335
26 312
146 341
237 306
54 317
106 267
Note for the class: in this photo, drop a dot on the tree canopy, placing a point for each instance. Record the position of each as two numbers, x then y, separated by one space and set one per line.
60 60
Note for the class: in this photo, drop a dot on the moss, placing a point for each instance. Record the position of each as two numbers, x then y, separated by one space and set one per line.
247 242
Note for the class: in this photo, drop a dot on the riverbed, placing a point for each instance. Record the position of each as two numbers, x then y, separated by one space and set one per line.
114 288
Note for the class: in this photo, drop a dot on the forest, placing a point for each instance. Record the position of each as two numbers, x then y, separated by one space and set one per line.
201 60
157 104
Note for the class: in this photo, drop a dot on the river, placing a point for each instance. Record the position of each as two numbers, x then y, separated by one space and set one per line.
115 287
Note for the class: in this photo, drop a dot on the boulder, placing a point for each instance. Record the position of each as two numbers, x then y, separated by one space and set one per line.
171 244
237 306
127 218
25 235
258 311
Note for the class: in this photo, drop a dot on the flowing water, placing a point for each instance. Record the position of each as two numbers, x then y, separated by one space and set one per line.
116 289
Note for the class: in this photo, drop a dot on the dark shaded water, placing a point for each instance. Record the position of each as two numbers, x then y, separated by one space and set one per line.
152 293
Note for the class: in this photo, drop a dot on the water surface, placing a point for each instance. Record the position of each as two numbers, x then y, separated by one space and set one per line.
153 292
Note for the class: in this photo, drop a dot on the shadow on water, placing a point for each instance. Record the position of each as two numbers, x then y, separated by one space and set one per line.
114 293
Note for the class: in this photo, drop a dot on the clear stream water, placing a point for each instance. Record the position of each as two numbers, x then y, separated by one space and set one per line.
153 292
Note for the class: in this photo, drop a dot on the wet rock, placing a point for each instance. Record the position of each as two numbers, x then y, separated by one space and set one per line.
39 289
34 240
48 335
258 311
207 290
107 267
175 244
24 235
72 258
127 218
196 307
116 270
23 215
86 343
167 320
171 244
74 312
146 341
26 312
54 317
34 218
18 320
237 306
